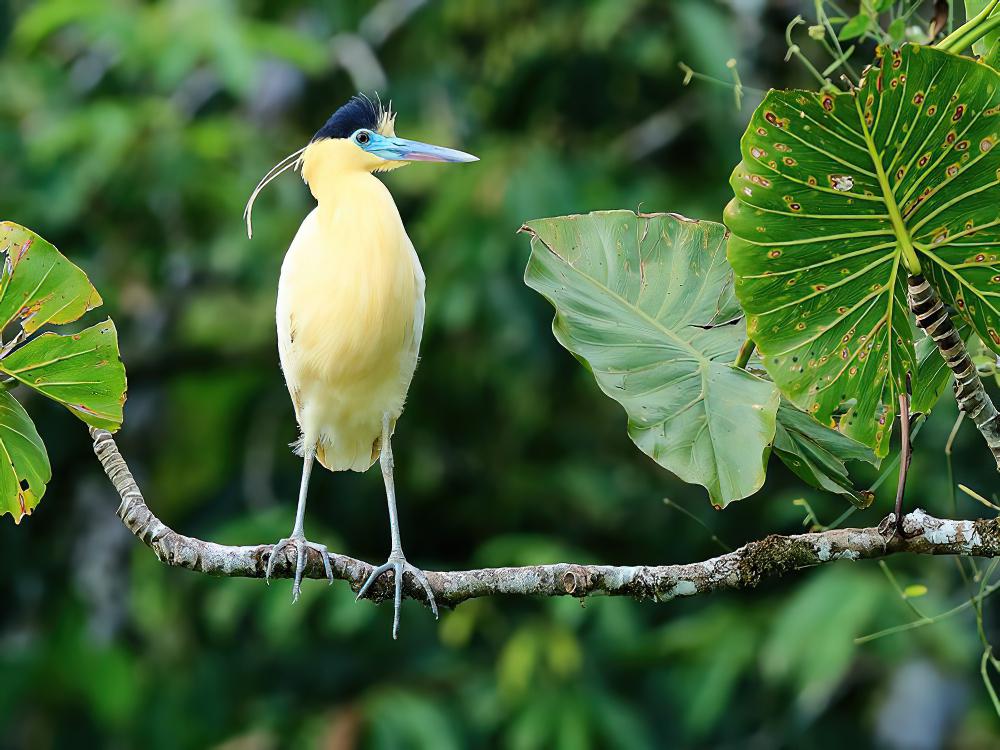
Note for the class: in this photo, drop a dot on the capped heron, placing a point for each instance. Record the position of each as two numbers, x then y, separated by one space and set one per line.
350 313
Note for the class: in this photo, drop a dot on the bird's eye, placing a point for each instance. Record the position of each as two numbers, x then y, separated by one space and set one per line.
362 138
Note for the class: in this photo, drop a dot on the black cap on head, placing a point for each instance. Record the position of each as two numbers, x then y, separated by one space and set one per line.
359 112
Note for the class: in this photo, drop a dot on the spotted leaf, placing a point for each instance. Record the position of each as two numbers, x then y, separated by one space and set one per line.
82 371
835 192
646 303
24 464
38 284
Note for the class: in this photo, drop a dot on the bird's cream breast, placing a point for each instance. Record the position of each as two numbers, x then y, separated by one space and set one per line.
349 292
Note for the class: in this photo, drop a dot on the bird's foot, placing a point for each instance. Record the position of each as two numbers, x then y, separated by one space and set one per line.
397 563
301 544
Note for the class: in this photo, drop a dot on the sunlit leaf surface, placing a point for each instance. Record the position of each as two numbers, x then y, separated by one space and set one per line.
82 371
24 464
647 303
39 285
833 189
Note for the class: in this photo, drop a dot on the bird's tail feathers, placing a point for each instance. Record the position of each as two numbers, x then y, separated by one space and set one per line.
336 461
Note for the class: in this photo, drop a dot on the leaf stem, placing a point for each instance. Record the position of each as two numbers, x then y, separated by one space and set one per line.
884 474
903 239
974 35
978 498
899 590
796 51
970 27
987 655
692 74
737 83
667 501
927 620
843 56
811 520
746 351
905 453
948 446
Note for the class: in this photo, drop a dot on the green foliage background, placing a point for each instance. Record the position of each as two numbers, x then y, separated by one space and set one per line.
131 135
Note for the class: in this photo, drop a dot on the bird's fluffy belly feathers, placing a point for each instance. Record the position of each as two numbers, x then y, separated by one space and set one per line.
349 314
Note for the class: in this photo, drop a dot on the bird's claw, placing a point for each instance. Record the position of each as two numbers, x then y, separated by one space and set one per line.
301 544
398 565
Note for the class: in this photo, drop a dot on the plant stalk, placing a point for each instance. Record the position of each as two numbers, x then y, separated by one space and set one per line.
970 393
972 30
905 451
746 351
975 35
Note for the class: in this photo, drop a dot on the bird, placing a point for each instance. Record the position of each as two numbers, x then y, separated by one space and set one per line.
350 314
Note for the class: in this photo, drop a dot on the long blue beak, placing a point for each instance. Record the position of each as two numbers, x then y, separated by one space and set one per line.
403 149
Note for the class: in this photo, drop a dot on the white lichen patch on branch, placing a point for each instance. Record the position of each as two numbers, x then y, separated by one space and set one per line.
936 532
684 588
962 535
847 554
621 576
823 546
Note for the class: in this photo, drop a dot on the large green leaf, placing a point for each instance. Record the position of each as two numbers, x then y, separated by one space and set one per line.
834 191
82 371
991 56
646 302
39 285
24 464
818 454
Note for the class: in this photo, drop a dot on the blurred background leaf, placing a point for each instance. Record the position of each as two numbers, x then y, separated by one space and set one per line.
133 133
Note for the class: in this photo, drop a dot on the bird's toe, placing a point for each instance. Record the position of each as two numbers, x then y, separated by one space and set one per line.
272 557
421 578
325 555
399 566
301 545
372 577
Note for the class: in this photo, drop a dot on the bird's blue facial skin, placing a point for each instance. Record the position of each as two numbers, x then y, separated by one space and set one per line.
403 149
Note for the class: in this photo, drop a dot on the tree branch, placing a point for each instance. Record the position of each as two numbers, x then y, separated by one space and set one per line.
743 568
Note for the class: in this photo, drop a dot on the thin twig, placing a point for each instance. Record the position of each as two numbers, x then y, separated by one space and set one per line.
905 452
896 629
712 535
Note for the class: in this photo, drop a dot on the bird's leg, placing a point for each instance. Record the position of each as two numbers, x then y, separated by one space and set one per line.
298 536
397 561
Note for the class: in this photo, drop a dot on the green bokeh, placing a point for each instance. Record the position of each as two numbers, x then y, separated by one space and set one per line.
132 134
